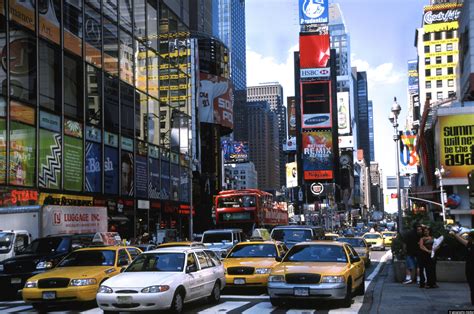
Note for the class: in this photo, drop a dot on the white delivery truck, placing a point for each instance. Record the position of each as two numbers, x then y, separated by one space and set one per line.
12 242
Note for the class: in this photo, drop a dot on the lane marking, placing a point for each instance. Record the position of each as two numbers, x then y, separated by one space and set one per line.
18 308
224 307
249 297
377 269
262 307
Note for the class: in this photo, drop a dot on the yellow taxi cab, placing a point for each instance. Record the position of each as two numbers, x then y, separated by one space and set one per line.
78 276
180 244
375 240
360 246
331 236
388 237
249 263
317 270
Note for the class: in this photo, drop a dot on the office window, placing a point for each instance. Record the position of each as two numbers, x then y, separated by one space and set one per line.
450 70
94 101
438 48
449 47
428 84
451 94
140 19
73 87
50 77
111 103
428 96
93 36
427 49
110 8
450 83
426 37
438 36
111 53
449 34
126 108
439 83
427 72
427 61
450 59
439 95
439 71
126 13
438 59
127 45
72 25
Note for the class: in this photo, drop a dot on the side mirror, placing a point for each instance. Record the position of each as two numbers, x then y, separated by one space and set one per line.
122 262
355 259
223 255
191 268
278 258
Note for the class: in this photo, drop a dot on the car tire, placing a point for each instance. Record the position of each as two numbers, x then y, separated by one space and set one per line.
177 303
361 288
347 301
277 302
215 296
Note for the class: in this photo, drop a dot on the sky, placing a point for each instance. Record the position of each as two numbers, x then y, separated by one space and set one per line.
382 34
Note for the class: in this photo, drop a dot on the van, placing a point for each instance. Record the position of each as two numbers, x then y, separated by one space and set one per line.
293 234
222 240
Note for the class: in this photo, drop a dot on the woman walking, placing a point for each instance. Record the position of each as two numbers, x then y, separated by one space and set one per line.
469 260
427 263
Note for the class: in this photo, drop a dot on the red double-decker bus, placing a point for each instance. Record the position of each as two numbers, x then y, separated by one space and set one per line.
248 209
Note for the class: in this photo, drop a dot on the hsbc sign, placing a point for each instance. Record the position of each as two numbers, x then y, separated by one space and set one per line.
315 73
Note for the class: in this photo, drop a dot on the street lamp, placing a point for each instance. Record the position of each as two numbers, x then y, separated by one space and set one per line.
440 173
393 118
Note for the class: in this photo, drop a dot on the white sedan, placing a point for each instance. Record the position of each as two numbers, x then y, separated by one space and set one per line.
164 279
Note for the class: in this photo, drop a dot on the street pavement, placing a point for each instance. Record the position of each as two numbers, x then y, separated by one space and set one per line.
234 301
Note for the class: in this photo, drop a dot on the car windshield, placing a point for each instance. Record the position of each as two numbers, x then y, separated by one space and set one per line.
5 241
353 241
316 253
48 245
217 237
253 250
291 235
388 234
169 262
236 201
89 258
372 236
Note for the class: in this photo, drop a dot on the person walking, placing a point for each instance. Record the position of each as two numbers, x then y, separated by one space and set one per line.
427 263
469 259
411 240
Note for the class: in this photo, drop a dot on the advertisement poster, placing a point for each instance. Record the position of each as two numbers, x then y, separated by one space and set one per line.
165 180
413 76
408 155
93 167
3 151
235 151
291 175
215 100
73 158
23 12
22 154
313 11
343 113
314 51
74 219
456 144
126 184
317 155
49 18
291 116
73 26
442 17
174 182
111 170
49 170
316 105
154 178
141 176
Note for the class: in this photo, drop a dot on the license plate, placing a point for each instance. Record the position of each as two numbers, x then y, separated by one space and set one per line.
301 292
49 295
239 281
124 300
16 280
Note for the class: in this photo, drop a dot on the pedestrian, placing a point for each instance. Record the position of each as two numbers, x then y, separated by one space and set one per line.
427 261
411 240
469 260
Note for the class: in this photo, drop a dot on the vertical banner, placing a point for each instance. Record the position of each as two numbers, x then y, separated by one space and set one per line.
317 155
111 170
22 154
343 113
408 155
49 170
126 185
165 180
93 167
154 178
141 176
73 163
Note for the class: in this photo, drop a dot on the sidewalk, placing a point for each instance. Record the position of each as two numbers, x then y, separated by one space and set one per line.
393 297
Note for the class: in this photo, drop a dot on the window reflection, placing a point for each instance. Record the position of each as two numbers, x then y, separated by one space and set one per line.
126 14
153 121
49 18
110 47
94 87
93 36
140 68
126 108
50 77
111 103
73 87
141 115
139 14
72 24
126 57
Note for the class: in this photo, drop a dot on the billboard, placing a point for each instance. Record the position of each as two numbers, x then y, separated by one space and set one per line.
111 170
74 219
141 176
456 137
313 11
216 99
73 157
408 156
316 104
346 141
314 51
317 155
126 184
165 180
291 175
291 114
49 170
93 167
413 76
235 151
154 178
22 154
441 17
343 113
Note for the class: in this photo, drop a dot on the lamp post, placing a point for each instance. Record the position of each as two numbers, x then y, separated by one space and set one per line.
393 118
440 173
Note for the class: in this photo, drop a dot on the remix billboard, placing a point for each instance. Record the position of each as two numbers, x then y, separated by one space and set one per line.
235 151
291 175
408 155
49 170
314 51
73 156
413 76
317 155
316 104
313 11
442 17
343 113
456 136
216 100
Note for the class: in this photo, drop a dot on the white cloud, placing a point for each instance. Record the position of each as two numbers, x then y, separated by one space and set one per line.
382 74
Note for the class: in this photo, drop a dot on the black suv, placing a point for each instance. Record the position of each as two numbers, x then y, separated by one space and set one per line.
41 255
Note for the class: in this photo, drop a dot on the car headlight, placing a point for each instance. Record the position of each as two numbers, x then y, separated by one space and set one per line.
155 289
332 279
31 284
44 265
276 278
104 289
261 271
83 282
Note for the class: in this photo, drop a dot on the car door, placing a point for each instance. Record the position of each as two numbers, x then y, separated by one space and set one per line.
206 271
194 279
357 266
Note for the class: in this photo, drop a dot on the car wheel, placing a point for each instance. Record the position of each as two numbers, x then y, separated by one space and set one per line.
361 288
177 303
276 302
41 308
347 301
215 294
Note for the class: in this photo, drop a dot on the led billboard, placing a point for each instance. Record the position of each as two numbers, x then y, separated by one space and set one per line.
313 11
317 155
441 17
316 104
235 151
314 51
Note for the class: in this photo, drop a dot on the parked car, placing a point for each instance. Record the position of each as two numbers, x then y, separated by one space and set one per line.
250 263
222 240
77 277
317 270
375 240
39 256
360 246
163 279
292 234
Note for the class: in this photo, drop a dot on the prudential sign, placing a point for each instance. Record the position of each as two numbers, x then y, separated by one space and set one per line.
314 11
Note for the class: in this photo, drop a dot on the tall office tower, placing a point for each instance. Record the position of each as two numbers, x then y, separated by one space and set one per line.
363 116
200 19
257 125
273 93
371 131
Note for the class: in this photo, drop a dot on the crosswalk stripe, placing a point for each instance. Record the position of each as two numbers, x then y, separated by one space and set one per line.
300 312
247 297
18 309
224 307
261 307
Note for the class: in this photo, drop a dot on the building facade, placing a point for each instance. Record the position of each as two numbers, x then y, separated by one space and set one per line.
241 176
363 115
371 130
465 70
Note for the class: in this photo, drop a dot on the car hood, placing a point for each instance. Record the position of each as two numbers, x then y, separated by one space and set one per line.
263 262
309 267
142 279
79 272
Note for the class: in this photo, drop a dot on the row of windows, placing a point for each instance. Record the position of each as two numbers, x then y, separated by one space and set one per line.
439 83
438 48
441 95
438 71
440 35
439 59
